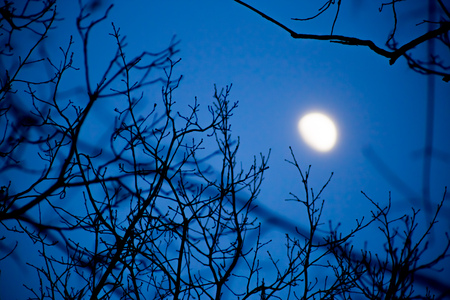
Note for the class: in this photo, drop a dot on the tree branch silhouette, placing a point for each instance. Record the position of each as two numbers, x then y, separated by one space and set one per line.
393 53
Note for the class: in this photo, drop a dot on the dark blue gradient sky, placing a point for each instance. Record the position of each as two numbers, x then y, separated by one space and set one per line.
379 109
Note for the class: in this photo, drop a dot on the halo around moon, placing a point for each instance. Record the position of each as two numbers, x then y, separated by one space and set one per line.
318 131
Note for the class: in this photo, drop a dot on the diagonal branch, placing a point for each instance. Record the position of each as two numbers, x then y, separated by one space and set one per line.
392 55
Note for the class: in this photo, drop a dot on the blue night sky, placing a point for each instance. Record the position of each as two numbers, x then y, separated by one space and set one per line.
379 109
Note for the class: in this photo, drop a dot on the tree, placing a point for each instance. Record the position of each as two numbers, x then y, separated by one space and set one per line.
158 206
437 31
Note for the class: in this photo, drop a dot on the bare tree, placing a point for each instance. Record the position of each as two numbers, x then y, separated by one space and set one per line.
436 30
395 276
158 206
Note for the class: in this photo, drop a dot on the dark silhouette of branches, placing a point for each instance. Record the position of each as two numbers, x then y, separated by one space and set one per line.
434 64
395 275
159 206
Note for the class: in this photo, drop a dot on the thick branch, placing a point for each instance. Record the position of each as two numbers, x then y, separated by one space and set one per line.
392 55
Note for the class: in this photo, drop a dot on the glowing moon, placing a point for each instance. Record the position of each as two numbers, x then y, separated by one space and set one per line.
318 131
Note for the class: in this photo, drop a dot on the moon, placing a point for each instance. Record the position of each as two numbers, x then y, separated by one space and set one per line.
318 131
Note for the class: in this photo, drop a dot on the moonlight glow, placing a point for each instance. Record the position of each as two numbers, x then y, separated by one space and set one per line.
318 131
